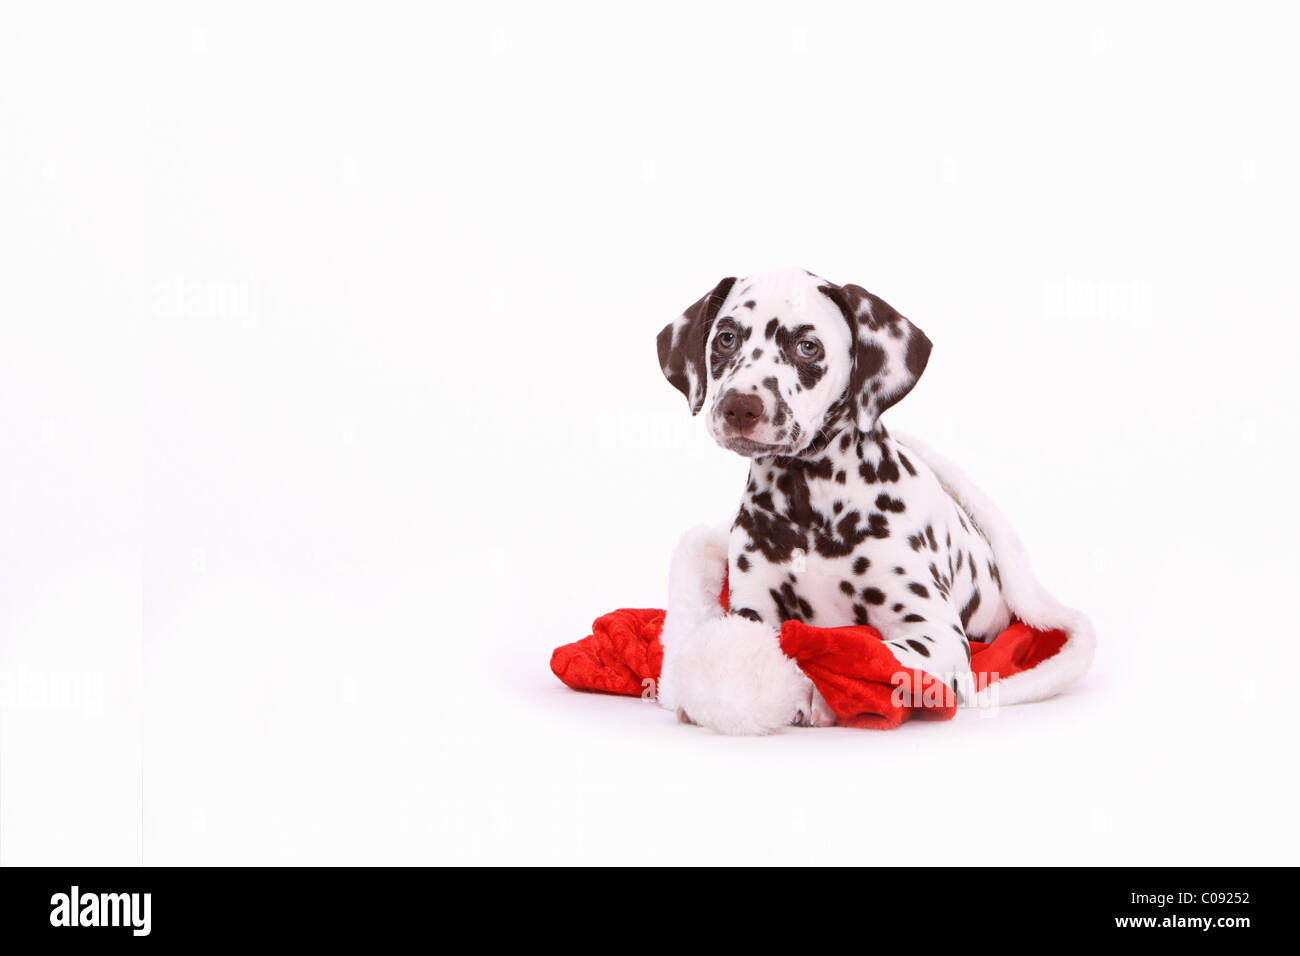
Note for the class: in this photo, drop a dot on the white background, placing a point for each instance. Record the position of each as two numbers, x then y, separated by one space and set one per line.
330 406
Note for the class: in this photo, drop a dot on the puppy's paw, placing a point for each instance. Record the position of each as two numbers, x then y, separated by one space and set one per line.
822 715
803 715
813 711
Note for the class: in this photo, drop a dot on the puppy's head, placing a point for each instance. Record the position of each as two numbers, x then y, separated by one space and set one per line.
784 359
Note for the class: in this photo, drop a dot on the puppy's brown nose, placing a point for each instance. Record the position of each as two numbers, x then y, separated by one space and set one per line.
741 412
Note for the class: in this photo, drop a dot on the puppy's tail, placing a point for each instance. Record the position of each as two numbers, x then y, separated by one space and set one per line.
1026 598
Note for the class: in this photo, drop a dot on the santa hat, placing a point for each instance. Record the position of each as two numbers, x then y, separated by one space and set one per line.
737 676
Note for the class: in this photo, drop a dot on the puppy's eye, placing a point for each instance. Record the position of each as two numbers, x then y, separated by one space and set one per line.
808 348
727 339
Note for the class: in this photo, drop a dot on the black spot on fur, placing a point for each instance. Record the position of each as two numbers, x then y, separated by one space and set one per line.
918 589
887 470
789 605
843 538
918 352
742 562
860 566
919 648
775 537
873 596
940 582
971 607
886 503
870 360
810 373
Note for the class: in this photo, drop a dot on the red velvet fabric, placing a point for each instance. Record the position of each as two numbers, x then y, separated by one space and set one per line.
620 654
862 680
851 666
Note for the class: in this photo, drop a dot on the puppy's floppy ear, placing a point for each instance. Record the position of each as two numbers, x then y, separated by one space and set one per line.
682 341
889 352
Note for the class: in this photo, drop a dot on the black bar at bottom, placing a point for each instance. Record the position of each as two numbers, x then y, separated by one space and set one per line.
901 906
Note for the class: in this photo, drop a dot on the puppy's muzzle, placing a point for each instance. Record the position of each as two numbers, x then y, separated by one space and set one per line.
740 412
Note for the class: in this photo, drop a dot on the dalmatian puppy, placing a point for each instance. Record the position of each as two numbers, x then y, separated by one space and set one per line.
838 523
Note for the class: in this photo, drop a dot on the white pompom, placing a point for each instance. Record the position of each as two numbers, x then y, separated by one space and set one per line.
732 677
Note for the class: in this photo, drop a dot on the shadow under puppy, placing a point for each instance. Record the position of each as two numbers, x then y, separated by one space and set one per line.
839 523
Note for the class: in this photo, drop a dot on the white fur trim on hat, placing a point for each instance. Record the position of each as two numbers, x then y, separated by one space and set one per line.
1026 598
694 580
